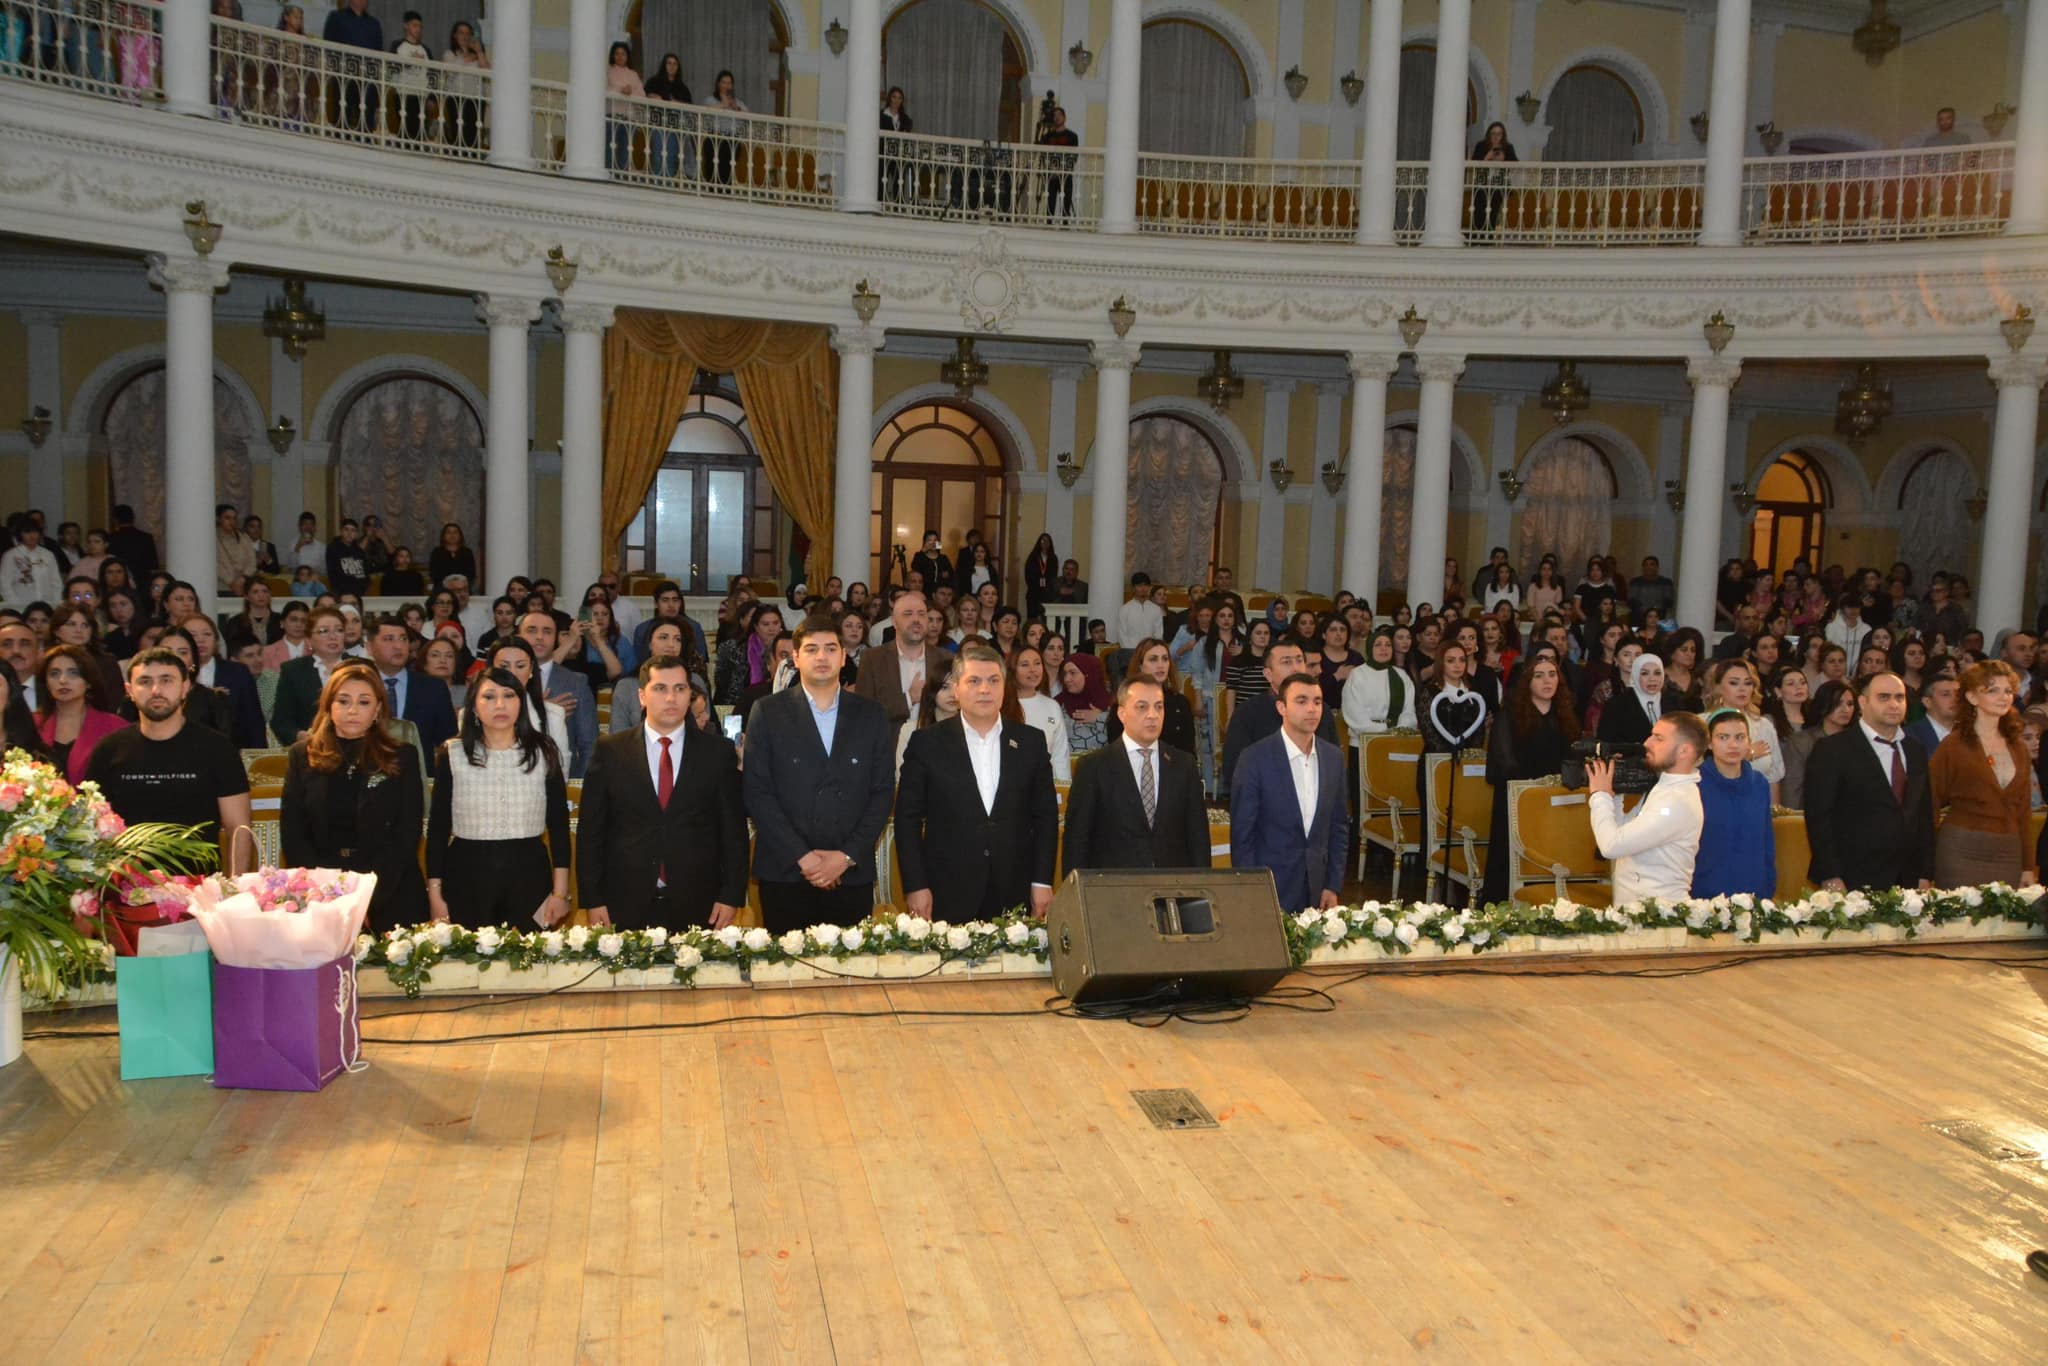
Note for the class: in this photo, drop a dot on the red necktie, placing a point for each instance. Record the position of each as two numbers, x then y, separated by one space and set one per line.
667 784
1898 774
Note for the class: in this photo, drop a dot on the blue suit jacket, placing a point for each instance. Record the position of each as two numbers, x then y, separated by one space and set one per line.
1265 822
431 710
582 721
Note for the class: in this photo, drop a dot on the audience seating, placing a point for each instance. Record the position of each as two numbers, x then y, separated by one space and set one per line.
1460 819
1795 855
1551 836
1390 798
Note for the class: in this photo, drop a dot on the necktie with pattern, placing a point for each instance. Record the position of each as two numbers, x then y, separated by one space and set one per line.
1148 787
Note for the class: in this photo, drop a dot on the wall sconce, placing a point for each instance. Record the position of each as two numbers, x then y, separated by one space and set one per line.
1744 499
1528 106
1674 494
1975 506
1063 465
865 301
2018 328
561 270
36 426
1295 82
1080 58
1699 125
835 37
1512 484
1122 315
1719 332
1281 475
1768 134
1995 121
1351 86
203 232
281 434
1333 477
1412 325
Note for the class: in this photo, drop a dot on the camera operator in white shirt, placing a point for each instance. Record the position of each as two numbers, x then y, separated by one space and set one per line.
1653 847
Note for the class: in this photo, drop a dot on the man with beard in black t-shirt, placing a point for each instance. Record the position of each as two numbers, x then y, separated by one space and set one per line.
164 769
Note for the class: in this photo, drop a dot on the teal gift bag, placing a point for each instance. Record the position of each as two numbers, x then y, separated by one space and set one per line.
166 1012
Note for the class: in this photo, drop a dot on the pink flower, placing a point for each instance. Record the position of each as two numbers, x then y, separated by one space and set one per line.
11 795
84 903
107 825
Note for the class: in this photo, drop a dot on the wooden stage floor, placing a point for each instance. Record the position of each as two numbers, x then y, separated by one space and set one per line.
1567 1169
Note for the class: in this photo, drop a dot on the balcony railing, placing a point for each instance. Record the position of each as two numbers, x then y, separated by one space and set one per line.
1587 203
710 151
1411 199
1043 187
106 49
1299 201
550 124
1878 196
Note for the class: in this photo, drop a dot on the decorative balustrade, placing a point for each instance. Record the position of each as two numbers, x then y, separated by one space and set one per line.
711 151
1878 196
550 121
1411 199
1300 201
108 48
1584 203
1044 187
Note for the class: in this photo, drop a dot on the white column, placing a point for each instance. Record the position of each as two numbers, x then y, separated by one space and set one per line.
583 538
2030 135
853 466
1120 147
1429 531
583 156
1060 434
1706 488
1443 225
187 34
1109 467
508 477
860 178
189 285
287 471
1364 471
1267 562
1322 505
1501 453
1727 126
46 390
1382 111
2002 573
511 46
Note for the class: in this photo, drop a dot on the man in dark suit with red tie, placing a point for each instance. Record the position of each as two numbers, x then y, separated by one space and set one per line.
977 822
1869 809
1138 802
662 836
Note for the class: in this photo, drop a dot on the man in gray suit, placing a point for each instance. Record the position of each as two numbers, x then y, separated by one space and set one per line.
565 688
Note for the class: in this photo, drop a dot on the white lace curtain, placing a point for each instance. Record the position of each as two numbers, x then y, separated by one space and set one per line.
1192 97
948 57
1170 512
1934 527
1397 506
134 431
1593 117
1567 505
710 36
410 452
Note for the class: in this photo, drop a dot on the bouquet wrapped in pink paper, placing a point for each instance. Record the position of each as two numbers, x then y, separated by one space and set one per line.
283 917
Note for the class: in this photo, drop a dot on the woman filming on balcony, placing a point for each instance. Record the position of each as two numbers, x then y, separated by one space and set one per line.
720 151
895 119
1489 196
666 84
621 79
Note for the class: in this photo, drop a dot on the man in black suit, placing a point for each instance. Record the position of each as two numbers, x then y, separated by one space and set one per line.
977 823
819 775
1253 719
1869 809
1113 821
414 697
662 836
131 545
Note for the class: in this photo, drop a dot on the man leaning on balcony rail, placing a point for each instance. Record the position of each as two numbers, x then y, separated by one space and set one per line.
354 26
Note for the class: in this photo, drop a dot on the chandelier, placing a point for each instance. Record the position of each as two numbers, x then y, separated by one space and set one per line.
1876 37
965 371
1566 394
1219 383
1863 403
294 320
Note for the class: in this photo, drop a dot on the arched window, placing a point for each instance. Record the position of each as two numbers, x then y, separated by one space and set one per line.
1567 504
1935 532
1397 511
709 514
408 450
133 428
938 467
1192 92
1418 93
961 69
1792 500
1175 499
746 37
1594 116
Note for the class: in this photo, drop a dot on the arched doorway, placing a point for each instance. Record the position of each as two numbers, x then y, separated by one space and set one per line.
749 38
1935 532
937 467
1792 500
1174 505
961 68
710 513
1193 92
1594 116
1418 96
1568 497
408 450
133 428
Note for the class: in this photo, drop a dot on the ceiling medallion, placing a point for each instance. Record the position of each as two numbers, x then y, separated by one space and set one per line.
990 285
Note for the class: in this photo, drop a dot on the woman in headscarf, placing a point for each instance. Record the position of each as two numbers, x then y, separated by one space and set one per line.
1378 696
1628 716
1531 741
1084 697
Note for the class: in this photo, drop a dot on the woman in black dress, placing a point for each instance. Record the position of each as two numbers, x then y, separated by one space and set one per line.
1530 741
1154 661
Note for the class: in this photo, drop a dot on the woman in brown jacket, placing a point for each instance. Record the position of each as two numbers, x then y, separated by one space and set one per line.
1979 776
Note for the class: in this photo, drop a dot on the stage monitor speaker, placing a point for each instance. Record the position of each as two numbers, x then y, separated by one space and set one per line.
1192 934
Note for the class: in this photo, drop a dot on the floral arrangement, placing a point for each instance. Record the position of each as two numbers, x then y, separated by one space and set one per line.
63 850
290 890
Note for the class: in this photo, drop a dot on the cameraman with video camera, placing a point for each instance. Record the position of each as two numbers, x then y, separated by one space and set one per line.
1654 846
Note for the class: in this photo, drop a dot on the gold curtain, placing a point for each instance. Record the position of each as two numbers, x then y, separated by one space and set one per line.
788 385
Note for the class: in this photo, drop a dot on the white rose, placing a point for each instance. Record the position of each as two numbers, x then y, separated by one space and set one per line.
1407 934
399 952
443 934
1723 918
1564 912
1696 915
688 955
1016 933
578 937
658 936
1368 908
1614 917
1335 927
730 936
1823 900
1744 900
826 937
2032 892
608 945
1912 903
1453 930
1972 897
1480 937
489 940
851 940
1382 928
1039 938
1744 922
919 930
958 938
1855 905
1307 919
363 946
551 942
904 920
757 939
792 943
103 952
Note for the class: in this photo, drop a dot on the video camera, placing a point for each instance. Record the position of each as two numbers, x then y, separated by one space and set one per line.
1632 771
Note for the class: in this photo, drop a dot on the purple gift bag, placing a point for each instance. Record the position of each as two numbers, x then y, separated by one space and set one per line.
284 1029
